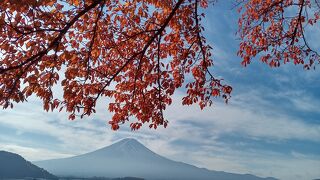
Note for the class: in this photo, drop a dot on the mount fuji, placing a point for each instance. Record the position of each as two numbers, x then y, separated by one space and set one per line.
129 158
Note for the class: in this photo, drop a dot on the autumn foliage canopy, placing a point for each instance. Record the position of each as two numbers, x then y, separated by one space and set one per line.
135 52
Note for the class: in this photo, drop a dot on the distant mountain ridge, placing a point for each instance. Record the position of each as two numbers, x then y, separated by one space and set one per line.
129 158
13 166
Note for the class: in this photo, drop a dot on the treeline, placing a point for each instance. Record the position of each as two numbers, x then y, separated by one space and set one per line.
101 178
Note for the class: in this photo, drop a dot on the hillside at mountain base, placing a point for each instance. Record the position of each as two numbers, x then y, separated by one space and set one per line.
13 166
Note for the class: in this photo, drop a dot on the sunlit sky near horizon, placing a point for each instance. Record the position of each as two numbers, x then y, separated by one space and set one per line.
271 126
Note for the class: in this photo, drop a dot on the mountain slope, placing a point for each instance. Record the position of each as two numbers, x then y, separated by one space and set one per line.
14 166
128 157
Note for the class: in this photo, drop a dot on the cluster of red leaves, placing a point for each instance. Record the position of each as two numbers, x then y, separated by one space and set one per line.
145 47
276 30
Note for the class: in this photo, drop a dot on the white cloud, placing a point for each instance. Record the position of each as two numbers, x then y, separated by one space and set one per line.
80 136
34 154
259 123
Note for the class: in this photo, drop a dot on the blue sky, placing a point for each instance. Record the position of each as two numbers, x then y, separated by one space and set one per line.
271 127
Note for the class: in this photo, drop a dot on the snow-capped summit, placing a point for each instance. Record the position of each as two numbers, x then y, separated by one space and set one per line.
124 147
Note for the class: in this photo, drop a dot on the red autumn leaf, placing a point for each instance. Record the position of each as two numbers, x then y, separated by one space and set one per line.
147 48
